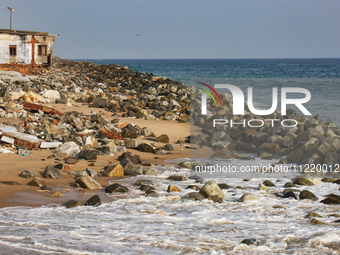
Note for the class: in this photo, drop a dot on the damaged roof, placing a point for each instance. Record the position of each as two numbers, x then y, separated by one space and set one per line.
21 32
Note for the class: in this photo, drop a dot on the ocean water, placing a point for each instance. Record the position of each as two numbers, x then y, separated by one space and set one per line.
185 69
320 76
135 224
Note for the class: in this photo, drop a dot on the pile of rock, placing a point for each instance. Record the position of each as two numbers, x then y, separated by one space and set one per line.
117 89
309 142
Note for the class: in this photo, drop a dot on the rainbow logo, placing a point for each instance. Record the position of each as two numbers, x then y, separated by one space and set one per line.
213 90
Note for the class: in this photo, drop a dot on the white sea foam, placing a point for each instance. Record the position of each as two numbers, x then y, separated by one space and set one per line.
135 224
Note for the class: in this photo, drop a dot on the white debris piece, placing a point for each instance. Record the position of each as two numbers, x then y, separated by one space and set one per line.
50 144
7 139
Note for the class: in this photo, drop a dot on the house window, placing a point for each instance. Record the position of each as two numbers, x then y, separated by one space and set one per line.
42 50
12 50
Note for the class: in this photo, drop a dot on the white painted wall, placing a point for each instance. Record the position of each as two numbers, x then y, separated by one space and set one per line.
24 49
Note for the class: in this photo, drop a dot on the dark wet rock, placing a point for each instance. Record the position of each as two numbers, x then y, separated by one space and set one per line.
289 193
88 154
60 166
327 179
331 199
136 159
51 172
93 201
72 203
185 164
249 241
75 185
129 134
289 185
46 187
313 215
153 194
198 179
146 147
268 183
194 187
195 196
315 221
215 199
141 182
302 181
127 164
224 186
279 194
177 178
28 174
169 147
146 188
305 194
116 188
210 189
163 138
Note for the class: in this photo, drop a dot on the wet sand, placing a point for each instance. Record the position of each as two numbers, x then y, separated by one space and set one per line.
24 195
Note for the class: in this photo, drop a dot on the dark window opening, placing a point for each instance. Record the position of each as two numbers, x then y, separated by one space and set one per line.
12 50
42 50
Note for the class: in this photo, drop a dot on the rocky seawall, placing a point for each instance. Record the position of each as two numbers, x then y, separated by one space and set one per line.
290 139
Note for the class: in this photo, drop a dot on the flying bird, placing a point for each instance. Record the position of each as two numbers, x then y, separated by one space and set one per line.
137 34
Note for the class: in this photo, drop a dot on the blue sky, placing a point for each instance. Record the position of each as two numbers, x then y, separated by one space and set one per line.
182 29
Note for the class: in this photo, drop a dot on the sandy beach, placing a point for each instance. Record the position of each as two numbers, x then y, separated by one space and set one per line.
24 195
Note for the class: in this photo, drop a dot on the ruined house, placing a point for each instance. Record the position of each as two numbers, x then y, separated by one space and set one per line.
25 48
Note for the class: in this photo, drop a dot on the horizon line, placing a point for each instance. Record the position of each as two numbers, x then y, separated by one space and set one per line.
195 58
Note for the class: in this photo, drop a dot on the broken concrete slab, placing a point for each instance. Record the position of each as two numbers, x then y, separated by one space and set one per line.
27 141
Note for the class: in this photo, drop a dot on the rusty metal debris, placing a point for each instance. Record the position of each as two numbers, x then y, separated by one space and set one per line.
46 109
111 134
